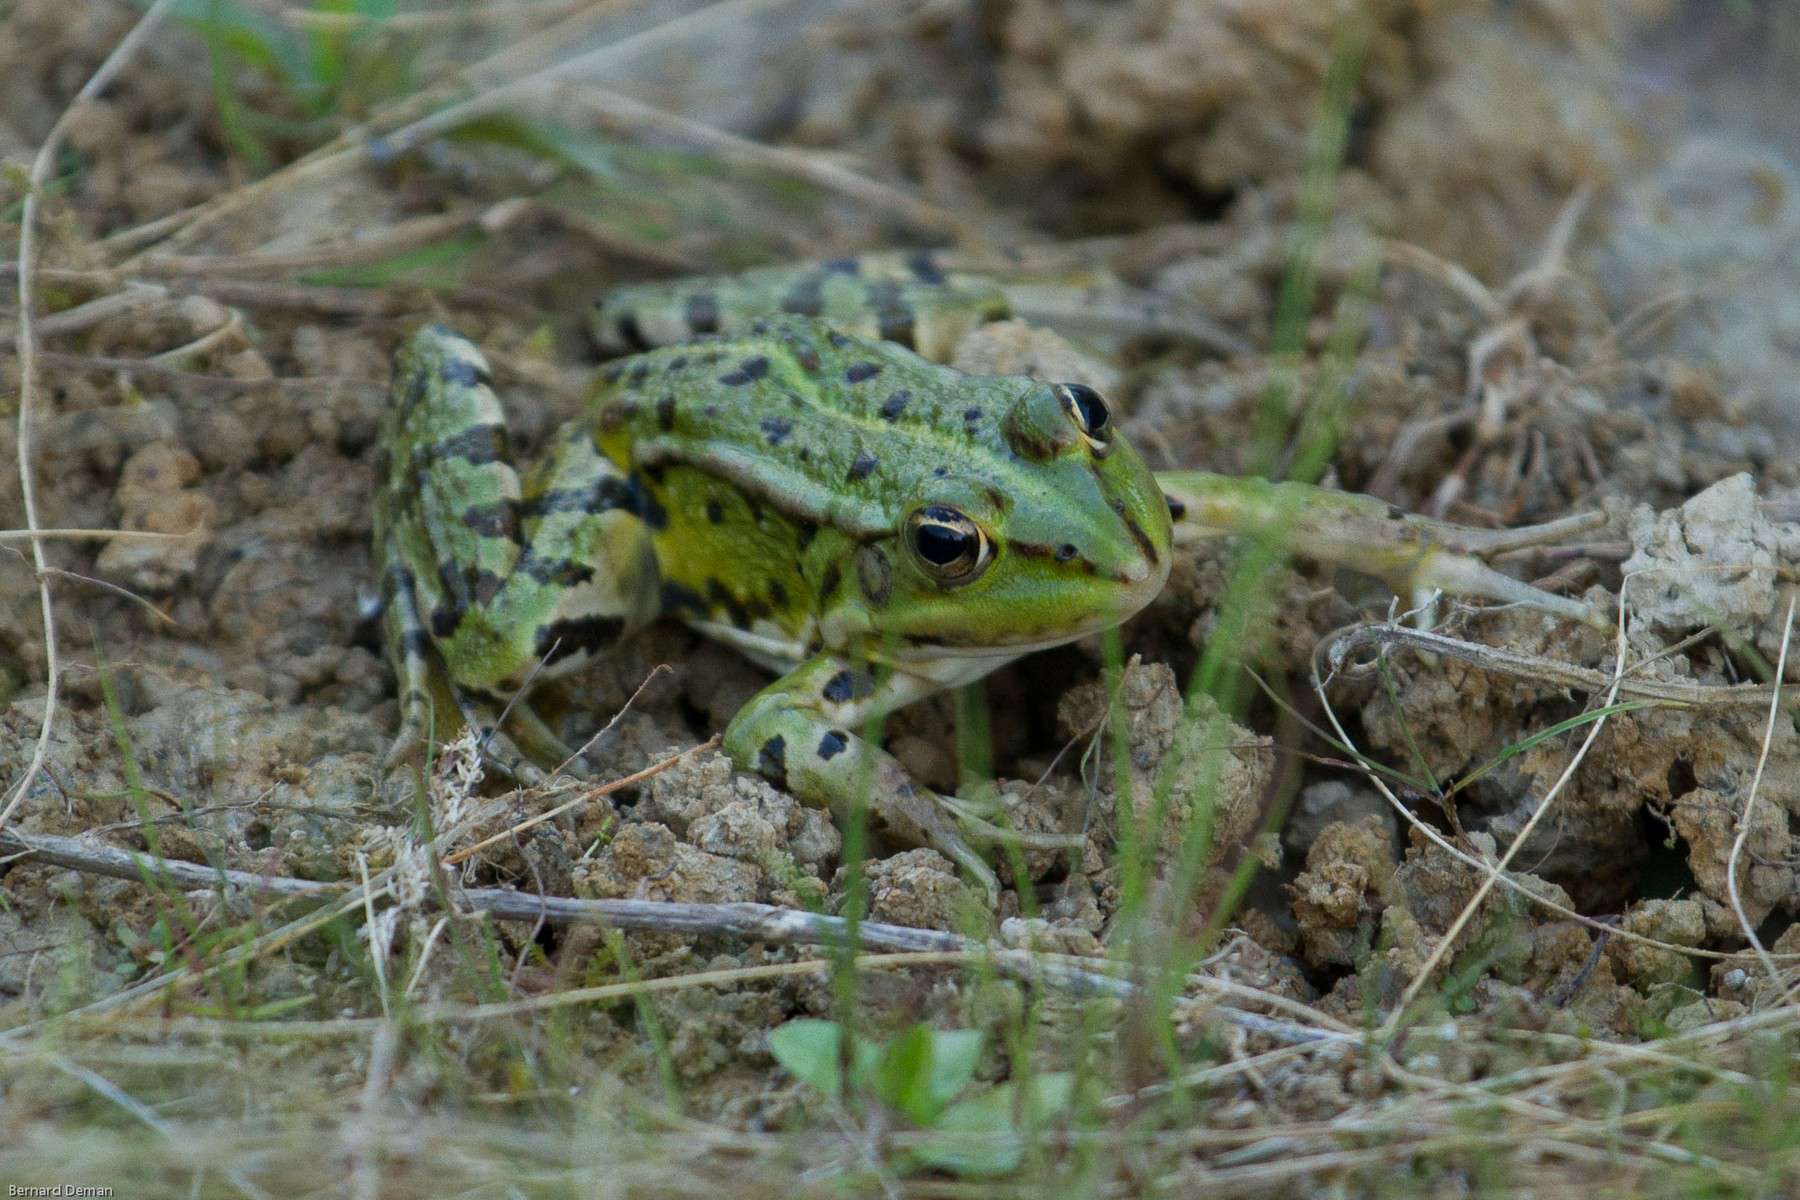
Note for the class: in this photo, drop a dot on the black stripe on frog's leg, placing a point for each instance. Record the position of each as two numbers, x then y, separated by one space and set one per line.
477 445
833 743
559 572
497 520
1177 509
720 599
677 599
559 639
644 503
847 685
925 269
463 372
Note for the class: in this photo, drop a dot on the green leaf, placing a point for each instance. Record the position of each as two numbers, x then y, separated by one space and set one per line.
954 1056
977 1136
812 1051
902 1075
1561 727
924 1069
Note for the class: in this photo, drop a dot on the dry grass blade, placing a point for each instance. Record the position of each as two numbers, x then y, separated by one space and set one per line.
1333 650
1496 870
494 95
627 115
28 384
588 796
1744 820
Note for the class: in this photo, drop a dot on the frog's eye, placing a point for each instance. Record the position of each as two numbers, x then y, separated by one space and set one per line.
1088 409
949 546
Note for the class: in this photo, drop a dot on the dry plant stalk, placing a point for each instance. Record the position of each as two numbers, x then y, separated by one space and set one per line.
28 385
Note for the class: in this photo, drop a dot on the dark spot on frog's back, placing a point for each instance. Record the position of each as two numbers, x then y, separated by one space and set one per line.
834 743
1177 509
806 298
861 372
702 313
771 761
895 404
777 429
665 414
715 512
863 466
748 371
576 635
841 266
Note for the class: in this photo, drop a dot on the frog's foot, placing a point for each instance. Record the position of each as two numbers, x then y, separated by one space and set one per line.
973 816
796 734
1417 556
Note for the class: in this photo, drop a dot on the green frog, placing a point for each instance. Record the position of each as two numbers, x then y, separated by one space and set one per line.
780 464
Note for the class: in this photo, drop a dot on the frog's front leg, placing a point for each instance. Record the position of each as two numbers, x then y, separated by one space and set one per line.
800 733
488 581
1414 555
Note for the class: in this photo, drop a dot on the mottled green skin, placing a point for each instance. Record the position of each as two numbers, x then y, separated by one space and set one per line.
908 299
758 487
757 483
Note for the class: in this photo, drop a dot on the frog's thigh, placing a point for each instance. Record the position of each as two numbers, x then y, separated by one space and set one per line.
798 734
499 579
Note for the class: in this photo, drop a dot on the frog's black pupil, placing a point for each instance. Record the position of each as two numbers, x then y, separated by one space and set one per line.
940 539
1092 408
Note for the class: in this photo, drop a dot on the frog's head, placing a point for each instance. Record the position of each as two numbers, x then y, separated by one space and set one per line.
1065 535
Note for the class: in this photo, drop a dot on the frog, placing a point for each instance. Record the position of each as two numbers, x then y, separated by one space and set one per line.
782 460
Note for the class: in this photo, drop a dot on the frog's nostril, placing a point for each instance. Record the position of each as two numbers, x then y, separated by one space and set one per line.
1066 551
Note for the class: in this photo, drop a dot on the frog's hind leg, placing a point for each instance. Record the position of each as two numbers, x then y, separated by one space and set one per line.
491 582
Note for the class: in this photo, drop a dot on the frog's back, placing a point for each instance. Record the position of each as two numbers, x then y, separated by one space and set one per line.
827 430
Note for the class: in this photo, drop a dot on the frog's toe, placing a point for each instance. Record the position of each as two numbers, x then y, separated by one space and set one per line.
973 819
